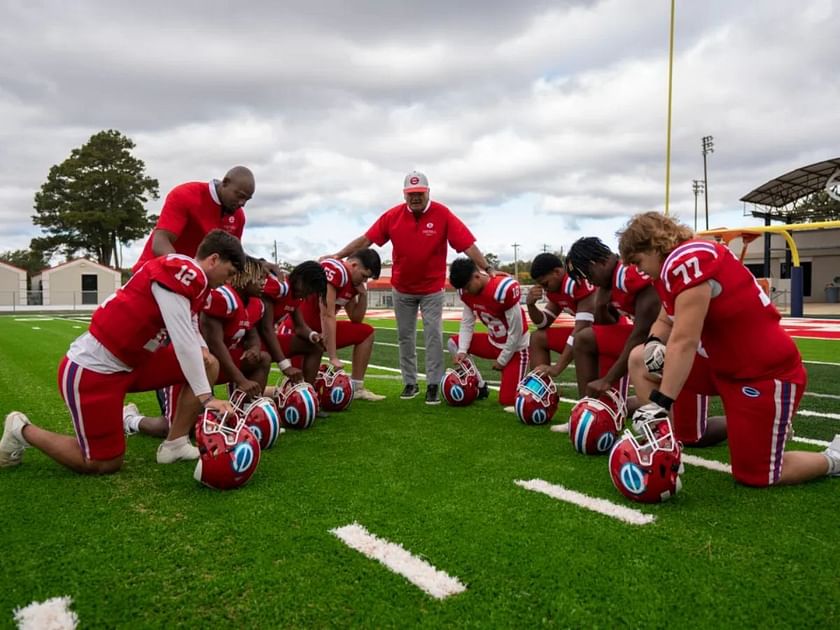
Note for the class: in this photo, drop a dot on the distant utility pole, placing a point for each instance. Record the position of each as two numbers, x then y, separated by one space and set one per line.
708 147
516 247
275 251
697 186
545 248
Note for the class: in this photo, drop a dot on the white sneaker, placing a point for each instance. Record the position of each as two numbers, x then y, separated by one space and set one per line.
167 454
560 428
833 455
510 409
365 394
12 442
130 411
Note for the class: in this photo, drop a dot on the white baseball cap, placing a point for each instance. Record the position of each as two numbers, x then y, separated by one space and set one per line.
415 181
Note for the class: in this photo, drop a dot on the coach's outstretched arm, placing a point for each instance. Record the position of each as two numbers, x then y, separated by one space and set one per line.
356 244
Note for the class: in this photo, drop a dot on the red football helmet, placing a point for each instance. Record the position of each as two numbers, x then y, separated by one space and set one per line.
646 467
297 404
459 385
228 451
260 416
595 423
335 389
536 399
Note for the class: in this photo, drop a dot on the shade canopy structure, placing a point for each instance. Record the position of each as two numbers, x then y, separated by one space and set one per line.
777 198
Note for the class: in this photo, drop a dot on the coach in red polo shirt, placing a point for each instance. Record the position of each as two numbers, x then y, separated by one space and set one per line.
194 209
420 231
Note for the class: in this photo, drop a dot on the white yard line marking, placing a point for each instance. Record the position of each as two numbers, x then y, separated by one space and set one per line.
822 363
693 460
811 441
818 414
816 395
34 319
419 572
54 613
602 506
36 328
394 345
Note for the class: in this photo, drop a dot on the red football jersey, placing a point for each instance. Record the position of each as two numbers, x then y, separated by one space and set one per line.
570 294
420 245
190 211
741 332
338 275
129 323
489 306
628 281
280 294
225 304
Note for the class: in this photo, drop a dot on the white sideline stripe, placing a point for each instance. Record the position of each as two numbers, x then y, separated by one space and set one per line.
419 572
822 363
816 395
602 506
36 328
811 441
394 345
818 414
34 319
710 464
53 613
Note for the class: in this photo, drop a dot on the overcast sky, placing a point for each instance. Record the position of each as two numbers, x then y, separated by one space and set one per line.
537 122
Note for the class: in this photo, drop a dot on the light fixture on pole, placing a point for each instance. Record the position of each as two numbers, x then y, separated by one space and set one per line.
708 147
697 186
516 247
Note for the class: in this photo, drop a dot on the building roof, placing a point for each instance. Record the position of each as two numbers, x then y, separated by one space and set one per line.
13 267
76 261
778 194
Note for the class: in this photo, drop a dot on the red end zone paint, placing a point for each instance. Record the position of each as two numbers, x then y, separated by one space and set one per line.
812 328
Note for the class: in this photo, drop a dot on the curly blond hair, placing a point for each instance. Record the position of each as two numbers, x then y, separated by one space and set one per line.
252 272
651 232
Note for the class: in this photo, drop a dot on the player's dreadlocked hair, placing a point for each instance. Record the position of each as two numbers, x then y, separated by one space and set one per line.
252 272
583 253
310 278
543 264
460 272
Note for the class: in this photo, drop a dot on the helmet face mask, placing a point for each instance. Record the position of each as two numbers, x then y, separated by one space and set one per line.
536 400
334 388
459 385
297 404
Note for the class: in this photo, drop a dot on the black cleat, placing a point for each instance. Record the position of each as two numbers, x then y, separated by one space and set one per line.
483 392
432 395
410 391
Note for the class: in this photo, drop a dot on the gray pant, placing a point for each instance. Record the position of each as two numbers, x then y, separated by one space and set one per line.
431 308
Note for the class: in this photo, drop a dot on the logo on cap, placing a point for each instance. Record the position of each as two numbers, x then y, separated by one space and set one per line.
430 225
414 180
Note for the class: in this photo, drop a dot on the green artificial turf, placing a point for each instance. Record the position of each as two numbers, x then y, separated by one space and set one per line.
150 547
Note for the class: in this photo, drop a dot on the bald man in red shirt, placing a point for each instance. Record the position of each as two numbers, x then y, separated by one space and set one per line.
193 209
420 231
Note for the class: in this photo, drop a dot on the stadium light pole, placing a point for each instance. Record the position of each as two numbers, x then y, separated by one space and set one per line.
516 247
708 147
697 186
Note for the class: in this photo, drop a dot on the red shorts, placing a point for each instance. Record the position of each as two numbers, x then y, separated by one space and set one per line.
224 377
556 337
691 408
96 400
513 372
758 422
611 340
347 333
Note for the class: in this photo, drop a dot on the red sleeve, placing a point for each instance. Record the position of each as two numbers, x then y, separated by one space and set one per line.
458 235
336 273
507 292
220 303
175 212
690 264
240 223
274 288
180 274
635 280
380 232
582 290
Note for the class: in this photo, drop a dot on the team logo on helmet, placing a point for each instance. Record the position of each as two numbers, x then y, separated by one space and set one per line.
229 452
334 388
459 385
297 404
594 423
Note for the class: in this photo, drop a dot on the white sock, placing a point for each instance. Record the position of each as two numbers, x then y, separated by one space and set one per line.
481 382
357 385
833 464
176 442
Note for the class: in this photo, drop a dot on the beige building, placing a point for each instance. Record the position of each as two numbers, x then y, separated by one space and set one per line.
77 282
819 255
12 285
